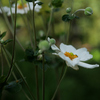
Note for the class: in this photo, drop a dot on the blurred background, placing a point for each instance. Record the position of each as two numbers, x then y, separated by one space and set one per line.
83 84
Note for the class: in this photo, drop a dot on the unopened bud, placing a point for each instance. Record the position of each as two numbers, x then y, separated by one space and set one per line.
88 11
68 10
44 45
52 41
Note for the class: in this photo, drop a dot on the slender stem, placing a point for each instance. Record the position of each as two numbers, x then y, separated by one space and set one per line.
9 26
37 86
1 61
21 74
13 42
78 10
14 73
43 79
26 95
34 29
67 40
49 24
9 63
35 46
11 14
59 83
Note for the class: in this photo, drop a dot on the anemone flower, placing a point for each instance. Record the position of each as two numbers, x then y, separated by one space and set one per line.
5 9
72 56
25 7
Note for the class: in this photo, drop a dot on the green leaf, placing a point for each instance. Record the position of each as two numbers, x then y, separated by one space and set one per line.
2 35
13 87
2 83
68 17
29 55
7 41
39 3
65 18
30 0
2 79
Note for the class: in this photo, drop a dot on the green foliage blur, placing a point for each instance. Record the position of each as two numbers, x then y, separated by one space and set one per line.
83 84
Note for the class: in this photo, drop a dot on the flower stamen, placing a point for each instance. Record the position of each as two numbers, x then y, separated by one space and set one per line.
20 6
70 55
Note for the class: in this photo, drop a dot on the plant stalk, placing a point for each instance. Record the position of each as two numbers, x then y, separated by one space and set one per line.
59 83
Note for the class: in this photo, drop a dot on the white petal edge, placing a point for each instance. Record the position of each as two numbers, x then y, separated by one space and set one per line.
67 48
54 47
85 65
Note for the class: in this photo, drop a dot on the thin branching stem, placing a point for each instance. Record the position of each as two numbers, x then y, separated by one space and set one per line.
59 83
21 74
49 24
2 61
37 86
13 52
43 79
9 26
34 28
5 54
35 46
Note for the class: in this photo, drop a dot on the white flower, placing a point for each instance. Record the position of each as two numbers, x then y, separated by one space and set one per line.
5 9
25 9
73 57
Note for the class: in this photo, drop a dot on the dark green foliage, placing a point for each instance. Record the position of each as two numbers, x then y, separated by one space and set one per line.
2 84
30 0
68 17
13 87
7 41
39 3
2 35
29 55
57 3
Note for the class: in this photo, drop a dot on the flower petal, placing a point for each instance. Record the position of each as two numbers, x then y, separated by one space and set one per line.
68 48
69 62
85 65
54 47
83 54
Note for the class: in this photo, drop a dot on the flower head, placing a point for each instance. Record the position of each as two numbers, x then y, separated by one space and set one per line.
24 7
73 57
5 9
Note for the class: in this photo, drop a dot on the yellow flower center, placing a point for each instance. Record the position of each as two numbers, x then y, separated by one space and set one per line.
20 6
70 55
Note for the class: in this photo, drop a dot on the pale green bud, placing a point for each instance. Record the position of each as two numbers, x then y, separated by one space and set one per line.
40 51
44 45
68 10
52 41
88 11
40 57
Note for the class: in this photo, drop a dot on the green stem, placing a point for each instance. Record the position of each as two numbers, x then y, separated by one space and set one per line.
9 63
68 33
13 42
49 24
22 76
1 61
36 67
78 10
37 86
9 26
43 79
59 83
34 29
11 14
14 73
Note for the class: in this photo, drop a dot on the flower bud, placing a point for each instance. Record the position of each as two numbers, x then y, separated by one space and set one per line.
44 45
88 11
52 41
68 10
